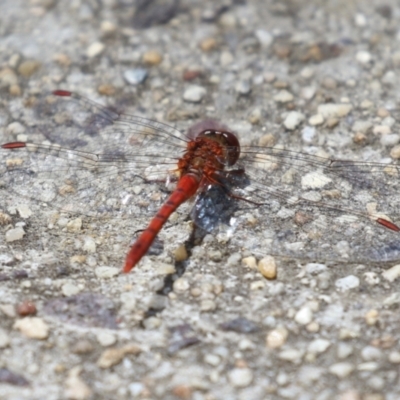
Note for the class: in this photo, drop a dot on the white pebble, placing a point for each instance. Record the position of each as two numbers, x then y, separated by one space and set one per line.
394 357
32 327
382 130
363 57
304 316
128 300
344 350
277 338
283 96
212 359
194 94
70 289
390 140
14 234
318 346
95 49
392 274
316 119
347 283
293 120
15 128
106 338
106 272
292 355
208 305
24 211
308 134
341 370
361 126
181 285
264 37
337 110
135 76
4 339
371 278
89 245
240 377
243 87
315 180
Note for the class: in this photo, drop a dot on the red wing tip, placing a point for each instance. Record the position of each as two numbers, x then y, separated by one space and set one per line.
13 145
388 224
63 93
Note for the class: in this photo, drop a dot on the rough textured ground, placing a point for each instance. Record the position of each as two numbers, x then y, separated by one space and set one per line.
224 332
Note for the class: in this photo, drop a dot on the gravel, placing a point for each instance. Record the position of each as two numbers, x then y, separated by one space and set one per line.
222 321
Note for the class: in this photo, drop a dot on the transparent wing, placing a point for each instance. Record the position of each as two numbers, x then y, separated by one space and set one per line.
322 209
118 155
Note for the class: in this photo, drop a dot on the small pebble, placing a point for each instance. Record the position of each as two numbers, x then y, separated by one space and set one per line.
212 359
89 245
114 356
26 308
293 120
390 140
180 253
318 346
316 119
82 347
292 355
208 305
347 283
4 339
267 267
240 377
243 87
106 272
14 234
194 94
363 57
361 126
277 338
344 350
371 317
267 140
250 262
395 152
283 96
70 289
152 323
28 68
15 128
75 386
371 278
392 273
152 57
330 110
106 339
8 77
382 112
341 370
304 316
95 49
135 76
32 327
394 357
308 134
208 44
255 116
74 225
371 353
181 285
264 37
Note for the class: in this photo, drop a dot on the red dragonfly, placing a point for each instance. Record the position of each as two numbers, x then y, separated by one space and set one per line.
309 207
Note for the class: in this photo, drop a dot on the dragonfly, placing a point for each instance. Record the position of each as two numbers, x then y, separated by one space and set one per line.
301 205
